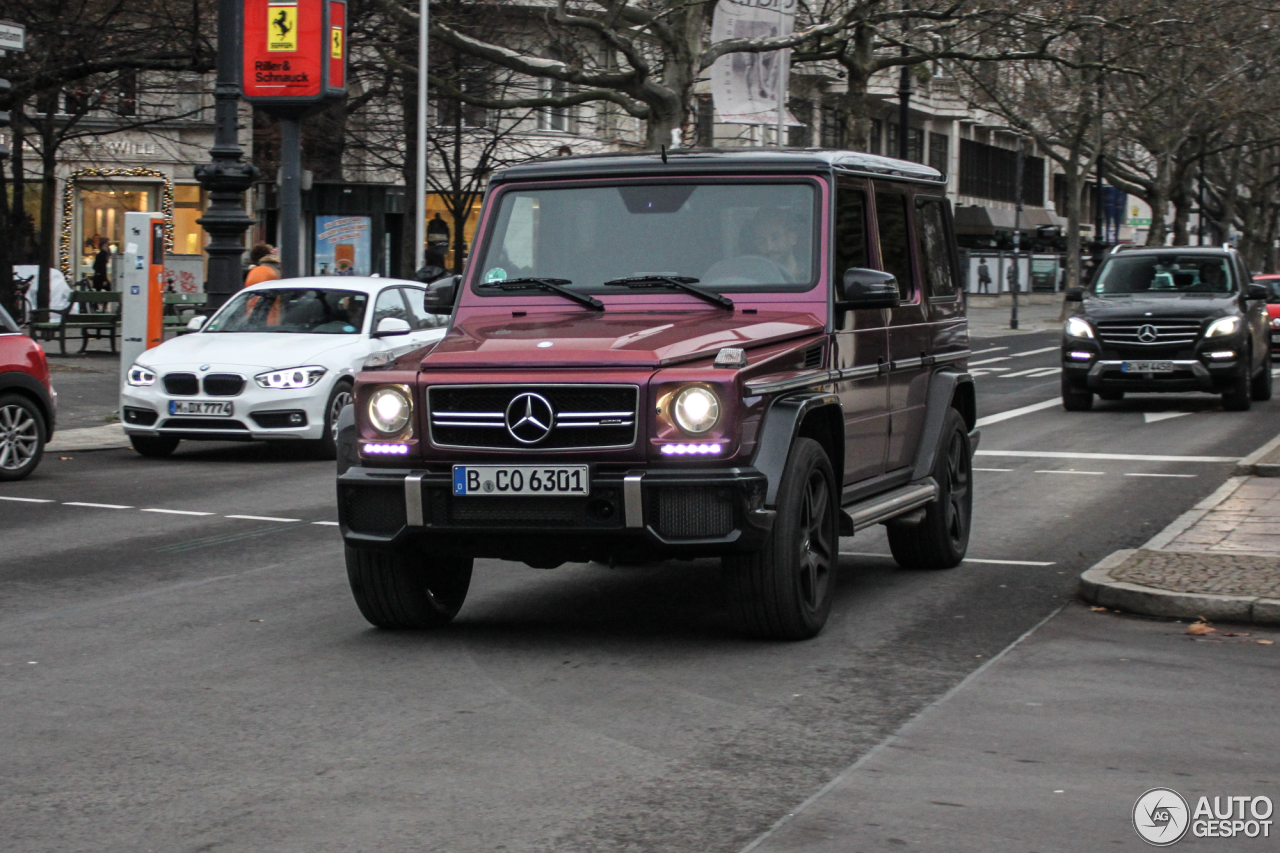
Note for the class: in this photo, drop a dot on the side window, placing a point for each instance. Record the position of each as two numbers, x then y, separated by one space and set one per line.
418 315
895 240
851 230
939 278
390 304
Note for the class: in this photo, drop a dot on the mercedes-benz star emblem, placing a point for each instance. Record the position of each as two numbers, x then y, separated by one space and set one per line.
530 418
1147 334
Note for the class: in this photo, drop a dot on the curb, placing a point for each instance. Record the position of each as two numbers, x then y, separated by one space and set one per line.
85 439
1099 588
1253 464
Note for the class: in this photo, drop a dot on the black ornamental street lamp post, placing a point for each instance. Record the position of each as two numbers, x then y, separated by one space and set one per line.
226 178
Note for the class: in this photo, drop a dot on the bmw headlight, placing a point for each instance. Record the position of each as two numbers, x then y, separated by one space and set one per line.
140 376
1222 327
389 410
696 409
1275 322
293 377
1078 327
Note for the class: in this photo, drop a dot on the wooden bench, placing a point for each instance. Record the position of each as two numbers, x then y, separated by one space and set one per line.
95 320
179 308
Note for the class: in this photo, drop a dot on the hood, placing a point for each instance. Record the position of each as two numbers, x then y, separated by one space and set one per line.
267 350
1138 306
613 339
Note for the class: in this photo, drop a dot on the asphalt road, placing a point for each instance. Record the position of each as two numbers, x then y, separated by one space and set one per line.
182 667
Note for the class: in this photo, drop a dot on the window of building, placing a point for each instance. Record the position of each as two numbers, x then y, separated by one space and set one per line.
102 208
915 143
877 134
833 129
127 93
554 118
704 118
989 172
188 206
939 149
895 237
800 136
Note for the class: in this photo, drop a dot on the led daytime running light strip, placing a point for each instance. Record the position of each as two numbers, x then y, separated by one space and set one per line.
386 449
690 449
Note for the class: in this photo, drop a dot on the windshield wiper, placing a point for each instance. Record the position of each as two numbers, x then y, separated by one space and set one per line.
682 283
551 285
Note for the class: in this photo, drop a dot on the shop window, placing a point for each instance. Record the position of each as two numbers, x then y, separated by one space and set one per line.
102 210
188 206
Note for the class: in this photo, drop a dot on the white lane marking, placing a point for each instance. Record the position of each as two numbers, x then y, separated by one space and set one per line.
326 523
993 469
1035 371
1035 351
1073 471
985 351
990 360
1017 413
95 506
1046 371
1190 476
1154 417
261 518
1129 457
28 500
966 559
176 511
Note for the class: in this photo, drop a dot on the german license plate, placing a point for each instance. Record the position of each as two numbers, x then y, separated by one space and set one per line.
1147 367
205 408
521 480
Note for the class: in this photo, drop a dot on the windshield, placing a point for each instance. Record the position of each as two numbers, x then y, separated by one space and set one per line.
307 311
731 237
1169 274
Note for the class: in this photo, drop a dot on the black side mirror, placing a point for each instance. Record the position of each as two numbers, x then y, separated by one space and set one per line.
862 288
1074 294
441 295
1256 291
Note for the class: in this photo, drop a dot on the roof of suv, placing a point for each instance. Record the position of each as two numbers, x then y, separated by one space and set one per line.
1173 250
737 160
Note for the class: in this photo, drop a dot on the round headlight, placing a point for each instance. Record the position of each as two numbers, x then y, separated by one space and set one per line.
696 410
1078 328
389 410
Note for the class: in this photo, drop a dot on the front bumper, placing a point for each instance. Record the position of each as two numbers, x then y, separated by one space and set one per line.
630 513
1188 375
258 414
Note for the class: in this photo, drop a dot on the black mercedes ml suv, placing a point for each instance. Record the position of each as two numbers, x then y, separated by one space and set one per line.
1168 319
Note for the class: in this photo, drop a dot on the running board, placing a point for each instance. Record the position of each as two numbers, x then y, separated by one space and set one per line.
891 504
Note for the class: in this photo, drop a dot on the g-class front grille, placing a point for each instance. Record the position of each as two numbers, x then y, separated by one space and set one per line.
533 417
1155 332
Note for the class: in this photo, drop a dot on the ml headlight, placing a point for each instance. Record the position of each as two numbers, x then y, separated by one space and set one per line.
293 377
140 376
1222 327
696 410
1078 328
389 410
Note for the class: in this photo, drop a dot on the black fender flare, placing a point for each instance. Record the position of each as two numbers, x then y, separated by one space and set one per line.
778 433
31 387
943 386
348 451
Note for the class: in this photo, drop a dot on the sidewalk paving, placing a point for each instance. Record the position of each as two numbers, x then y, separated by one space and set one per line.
989 315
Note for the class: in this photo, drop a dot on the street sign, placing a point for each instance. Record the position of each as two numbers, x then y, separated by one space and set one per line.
295 54
12 36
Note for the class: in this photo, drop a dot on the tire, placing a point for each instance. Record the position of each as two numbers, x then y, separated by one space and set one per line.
941 539
339 398
1260 388
154 446
1238 397
405 589
1111 396
22 437
1074 400
784 591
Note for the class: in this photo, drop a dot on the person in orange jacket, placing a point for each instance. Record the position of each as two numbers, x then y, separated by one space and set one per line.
265 264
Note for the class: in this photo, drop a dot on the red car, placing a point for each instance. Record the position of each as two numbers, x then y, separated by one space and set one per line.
1272 283
28 403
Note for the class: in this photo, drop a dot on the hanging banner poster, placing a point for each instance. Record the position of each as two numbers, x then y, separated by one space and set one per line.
745 86
344 245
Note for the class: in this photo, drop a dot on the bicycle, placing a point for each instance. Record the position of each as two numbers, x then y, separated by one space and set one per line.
22 284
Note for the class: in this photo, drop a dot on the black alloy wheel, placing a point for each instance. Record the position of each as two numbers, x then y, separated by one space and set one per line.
405 589
22 437
1239 396
1075 399
1260 389
785 590
940 539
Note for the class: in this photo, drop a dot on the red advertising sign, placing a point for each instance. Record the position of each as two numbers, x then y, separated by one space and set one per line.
294 53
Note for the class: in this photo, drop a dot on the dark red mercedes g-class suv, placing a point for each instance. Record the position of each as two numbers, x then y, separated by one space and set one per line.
739 354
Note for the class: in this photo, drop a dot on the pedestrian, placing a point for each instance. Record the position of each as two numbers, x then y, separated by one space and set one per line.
432 267
264 264
101 261
984 276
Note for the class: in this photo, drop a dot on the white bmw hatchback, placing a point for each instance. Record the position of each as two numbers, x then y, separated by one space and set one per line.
276 362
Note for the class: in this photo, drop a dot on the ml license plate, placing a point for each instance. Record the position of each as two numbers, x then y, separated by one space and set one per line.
521 480
207 408
1147 367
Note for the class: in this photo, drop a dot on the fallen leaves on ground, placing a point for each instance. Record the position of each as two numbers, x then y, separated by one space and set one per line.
1199 629
1098 609
1265 642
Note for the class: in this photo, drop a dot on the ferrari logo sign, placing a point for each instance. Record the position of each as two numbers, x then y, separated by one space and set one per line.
282 27
335 48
